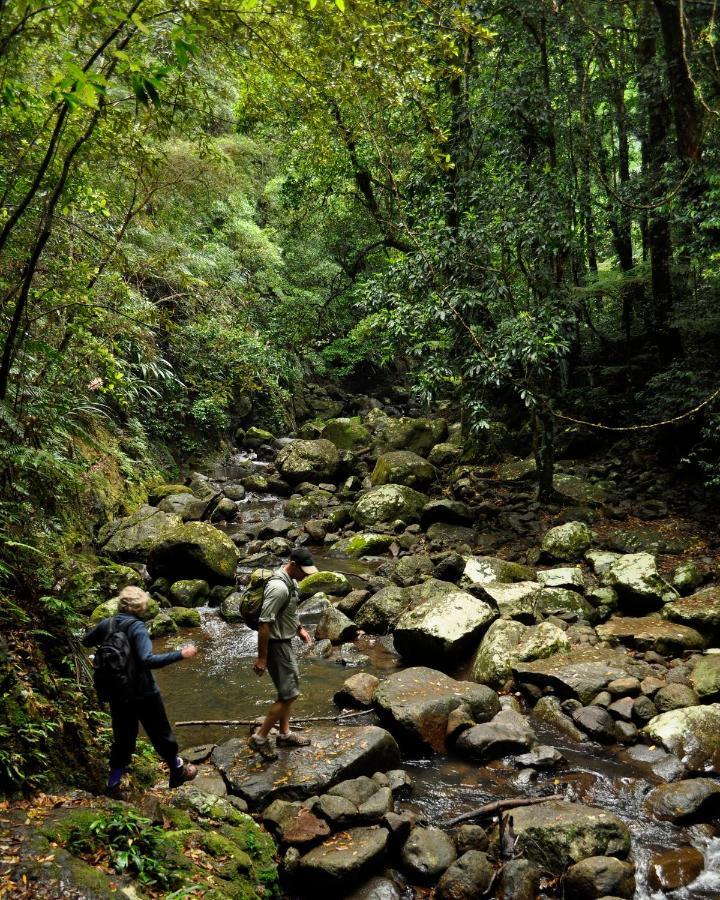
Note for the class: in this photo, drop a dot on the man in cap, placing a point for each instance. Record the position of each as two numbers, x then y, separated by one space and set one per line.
145 707
279 623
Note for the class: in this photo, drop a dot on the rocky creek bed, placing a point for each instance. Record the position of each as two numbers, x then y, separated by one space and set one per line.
499 652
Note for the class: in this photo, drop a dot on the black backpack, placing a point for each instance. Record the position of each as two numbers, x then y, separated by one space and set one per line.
114 664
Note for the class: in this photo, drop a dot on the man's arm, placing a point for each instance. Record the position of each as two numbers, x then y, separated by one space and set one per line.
263 640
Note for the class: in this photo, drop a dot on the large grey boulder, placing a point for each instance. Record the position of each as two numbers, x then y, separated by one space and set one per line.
347 434
133 537
507 733
692 734
507 642
315 461
403 467
342 863
684 800
387 503
568 542
404 433
195 550
334 755
445 627
519 600
416 703
335 626
647 633
580 674
558 834
700 610
189 507
379 614
427 853
638 583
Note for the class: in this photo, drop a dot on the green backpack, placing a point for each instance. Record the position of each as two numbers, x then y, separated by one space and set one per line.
251 602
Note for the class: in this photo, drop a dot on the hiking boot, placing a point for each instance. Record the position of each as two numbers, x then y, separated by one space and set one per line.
183 773
292 740
264 748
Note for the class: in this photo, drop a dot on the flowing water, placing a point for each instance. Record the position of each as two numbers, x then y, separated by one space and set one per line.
219 684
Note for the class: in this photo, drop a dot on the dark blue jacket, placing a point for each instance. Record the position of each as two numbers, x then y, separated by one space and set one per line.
145 659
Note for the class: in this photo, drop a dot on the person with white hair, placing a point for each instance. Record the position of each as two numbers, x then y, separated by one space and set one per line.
141 703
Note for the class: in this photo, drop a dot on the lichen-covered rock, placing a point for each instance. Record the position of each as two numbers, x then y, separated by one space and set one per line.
184 618
700 610
692 734
565 603
403 467
567 542
309 505
507 642
549 711
518 600
195 550
335 627
427 853
412 569
418 435
380 613
110 608
162 626
569 577
486 569
705 677
638 583
136 536
388 503
686 577
364 544
186 505
347 434
647 633
684 799
445 454
600 876
558 834
416 703
334 583
444 627
190 592
314 461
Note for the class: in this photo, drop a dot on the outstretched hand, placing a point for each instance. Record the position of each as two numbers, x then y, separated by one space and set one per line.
189 651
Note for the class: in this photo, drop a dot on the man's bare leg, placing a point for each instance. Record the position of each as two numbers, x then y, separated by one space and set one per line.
278 712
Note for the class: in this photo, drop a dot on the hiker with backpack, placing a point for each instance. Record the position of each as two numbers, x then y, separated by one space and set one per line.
123 665
278 623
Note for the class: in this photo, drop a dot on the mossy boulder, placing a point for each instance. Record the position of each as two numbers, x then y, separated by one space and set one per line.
184 618
110 608
189 507
403 467
388 503
163 625
638 583
190 592
136 536
91 581
334 583
379 614
445 454
567 542
255 436
347 434
161 491
705 677
486 569
508 642
314 461
687 577
418 435
364 544
195 550
700 610
309 505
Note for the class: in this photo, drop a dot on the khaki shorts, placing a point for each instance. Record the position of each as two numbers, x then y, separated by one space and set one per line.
283 668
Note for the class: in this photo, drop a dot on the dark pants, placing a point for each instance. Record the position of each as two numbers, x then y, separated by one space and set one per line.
150 713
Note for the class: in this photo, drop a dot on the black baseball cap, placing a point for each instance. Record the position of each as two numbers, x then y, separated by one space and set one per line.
303 558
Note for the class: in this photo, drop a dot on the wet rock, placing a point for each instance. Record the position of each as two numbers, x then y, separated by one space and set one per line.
190 592
599 876
507 733
416 704
671 870
352 602
375 807
225 509
399 782
333 756
470 837
638 583
403 467
705 677
335 626
675 696
274 528
626 732
230 608
567 542
661 763
308 506
644 710
649 633
542 757
313 461
514 601
189 507
446 626
507 642
338 811
343 859
347 434
184 618
198 754
570 578
580 674
692 734
357 691
624 687
596 722
549 711
622 709
377 888
427 853
467 878
302 829
519 880
446 534
234 492
486 569
693 798
700 610
558 834
388 503
452 512
380 613
412 570
351 657
403 433
364 544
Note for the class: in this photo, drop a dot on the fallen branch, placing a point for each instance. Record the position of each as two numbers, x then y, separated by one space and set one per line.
341 717
498 806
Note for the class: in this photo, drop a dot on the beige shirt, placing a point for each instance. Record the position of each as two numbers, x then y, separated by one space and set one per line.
279 607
